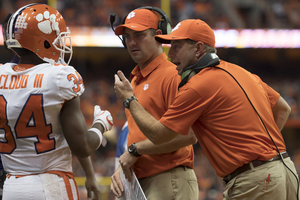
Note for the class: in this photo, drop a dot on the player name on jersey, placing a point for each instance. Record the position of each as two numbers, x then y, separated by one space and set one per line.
10 82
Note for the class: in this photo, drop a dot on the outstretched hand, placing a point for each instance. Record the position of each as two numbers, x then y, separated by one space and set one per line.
122 86
104 117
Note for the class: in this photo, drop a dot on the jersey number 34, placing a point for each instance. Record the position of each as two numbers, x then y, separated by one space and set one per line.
30 123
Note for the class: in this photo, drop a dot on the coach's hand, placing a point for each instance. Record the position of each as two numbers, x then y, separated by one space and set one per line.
122 86
116 185
126 161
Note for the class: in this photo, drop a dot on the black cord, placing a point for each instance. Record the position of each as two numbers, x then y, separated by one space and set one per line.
265 128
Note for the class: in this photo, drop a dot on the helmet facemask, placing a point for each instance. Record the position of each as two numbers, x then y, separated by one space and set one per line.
60 43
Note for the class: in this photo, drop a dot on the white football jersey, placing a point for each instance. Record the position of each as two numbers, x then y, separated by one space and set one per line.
31 137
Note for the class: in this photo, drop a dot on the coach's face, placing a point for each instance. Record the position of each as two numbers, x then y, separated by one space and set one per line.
141 46
183 54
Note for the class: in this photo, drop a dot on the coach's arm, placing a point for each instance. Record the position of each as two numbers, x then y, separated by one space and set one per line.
155 131
281 111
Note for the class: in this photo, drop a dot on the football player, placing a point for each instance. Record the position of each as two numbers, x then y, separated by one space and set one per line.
41 124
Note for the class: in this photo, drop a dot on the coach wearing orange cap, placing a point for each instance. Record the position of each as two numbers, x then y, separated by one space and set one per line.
236 117
165 172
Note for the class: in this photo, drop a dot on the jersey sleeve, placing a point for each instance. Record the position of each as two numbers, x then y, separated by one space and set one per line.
69 83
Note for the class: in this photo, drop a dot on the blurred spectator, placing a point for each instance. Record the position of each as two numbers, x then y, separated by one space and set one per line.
259 13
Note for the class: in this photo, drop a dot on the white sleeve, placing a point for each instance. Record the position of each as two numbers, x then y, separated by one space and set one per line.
69 83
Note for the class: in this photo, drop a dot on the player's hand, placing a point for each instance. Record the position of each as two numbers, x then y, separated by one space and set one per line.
92 187
122 86
116 185
103 117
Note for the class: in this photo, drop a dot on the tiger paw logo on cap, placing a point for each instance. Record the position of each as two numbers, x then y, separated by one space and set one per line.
176 27
131 15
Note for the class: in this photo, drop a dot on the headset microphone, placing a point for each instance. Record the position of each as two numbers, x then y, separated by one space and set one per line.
112 20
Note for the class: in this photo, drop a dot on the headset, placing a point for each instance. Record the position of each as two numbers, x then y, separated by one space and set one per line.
211 60
164 24
208 60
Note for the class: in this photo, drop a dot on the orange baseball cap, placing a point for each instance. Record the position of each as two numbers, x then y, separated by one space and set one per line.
193 29
139 20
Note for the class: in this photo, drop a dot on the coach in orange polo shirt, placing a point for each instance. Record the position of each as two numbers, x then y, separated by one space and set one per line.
236 117
165 172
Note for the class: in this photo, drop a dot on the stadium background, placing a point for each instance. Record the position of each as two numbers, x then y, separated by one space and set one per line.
277 65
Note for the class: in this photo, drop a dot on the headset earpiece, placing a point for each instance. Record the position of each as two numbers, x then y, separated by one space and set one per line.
164 24
162 27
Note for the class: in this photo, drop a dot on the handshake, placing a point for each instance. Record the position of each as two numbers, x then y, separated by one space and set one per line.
105 119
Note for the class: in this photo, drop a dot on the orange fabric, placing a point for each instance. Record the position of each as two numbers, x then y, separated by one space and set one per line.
139 20
194 29
64 175
22 67
155 88
227 127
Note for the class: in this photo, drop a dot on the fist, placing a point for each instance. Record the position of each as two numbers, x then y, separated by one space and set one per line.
104 117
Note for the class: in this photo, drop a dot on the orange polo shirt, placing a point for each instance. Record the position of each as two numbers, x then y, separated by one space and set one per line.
226 125
155 88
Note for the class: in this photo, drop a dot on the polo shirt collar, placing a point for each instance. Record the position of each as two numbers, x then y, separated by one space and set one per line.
150 67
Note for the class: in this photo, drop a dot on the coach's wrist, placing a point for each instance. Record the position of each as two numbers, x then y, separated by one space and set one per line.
127 101
132 149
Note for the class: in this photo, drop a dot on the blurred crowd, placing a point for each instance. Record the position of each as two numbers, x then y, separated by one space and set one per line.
218 14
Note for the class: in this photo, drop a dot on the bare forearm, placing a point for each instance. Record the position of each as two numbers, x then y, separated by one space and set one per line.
281 112
75 130
151 127
146 147
87 166
280 119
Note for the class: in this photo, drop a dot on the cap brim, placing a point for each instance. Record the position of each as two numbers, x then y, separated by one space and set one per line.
166 39
136 27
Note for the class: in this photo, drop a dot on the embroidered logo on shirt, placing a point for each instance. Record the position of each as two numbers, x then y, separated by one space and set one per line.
146 86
